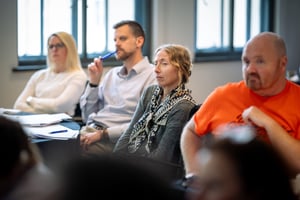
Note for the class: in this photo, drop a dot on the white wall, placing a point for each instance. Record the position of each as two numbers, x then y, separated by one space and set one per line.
289 28
173 22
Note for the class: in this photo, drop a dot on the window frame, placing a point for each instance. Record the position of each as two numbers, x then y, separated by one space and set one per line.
142 15
231 53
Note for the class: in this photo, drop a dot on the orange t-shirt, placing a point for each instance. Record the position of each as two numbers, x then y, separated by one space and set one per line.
226 104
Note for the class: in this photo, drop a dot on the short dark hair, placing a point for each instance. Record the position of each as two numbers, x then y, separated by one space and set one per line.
136 28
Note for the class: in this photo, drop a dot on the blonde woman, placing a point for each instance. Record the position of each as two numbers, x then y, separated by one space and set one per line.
57 88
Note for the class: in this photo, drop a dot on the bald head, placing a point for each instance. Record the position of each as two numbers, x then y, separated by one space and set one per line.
270 38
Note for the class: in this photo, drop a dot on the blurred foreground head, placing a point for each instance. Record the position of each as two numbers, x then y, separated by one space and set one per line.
112 177
22 172
237 165
15 148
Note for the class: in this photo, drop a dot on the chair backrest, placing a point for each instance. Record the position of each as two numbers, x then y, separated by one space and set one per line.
77 110
179 167
194 110
77 116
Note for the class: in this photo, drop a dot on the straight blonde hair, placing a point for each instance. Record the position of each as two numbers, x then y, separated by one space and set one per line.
72 61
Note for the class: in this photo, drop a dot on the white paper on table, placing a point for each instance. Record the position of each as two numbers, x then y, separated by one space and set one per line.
45 132
39 120
7 111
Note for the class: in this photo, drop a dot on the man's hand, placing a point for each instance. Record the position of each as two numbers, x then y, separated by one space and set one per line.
253 115
89 138
95 71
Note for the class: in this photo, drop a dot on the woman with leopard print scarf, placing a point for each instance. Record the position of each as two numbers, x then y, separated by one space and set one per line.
163 110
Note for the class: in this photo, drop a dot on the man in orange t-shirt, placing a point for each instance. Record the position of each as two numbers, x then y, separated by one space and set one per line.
265 99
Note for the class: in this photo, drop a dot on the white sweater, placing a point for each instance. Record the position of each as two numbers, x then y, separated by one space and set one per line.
52 92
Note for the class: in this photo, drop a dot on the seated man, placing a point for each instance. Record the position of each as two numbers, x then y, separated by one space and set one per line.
107 108
265 99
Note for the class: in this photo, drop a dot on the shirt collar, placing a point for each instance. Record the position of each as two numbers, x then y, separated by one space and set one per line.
136 69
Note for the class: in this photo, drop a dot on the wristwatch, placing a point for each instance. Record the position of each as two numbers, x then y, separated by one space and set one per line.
28 100
93 85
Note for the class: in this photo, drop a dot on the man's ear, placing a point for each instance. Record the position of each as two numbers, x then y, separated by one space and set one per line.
140 41
284 61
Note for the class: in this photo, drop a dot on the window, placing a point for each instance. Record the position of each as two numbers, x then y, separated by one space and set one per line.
224 26
89 21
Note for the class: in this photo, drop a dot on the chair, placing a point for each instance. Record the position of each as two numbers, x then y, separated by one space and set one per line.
177 169
180 166
77 116
194 110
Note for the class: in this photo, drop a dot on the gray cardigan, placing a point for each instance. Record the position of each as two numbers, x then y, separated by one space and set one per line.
167 142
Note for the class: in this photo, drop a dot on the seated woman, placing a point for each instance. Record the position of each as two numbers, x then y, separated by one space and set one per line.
163 110
57 88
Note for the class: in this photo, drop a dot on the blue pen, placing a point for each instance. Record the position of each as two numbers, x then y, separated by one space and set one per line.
107 55
59 131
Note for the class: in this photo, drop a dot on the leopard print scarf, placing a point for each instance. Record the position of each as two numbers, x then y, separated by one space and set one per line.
146 128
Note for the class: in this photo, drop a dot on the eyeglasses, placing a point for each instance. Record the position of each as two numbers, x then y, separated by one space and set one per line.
57 46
